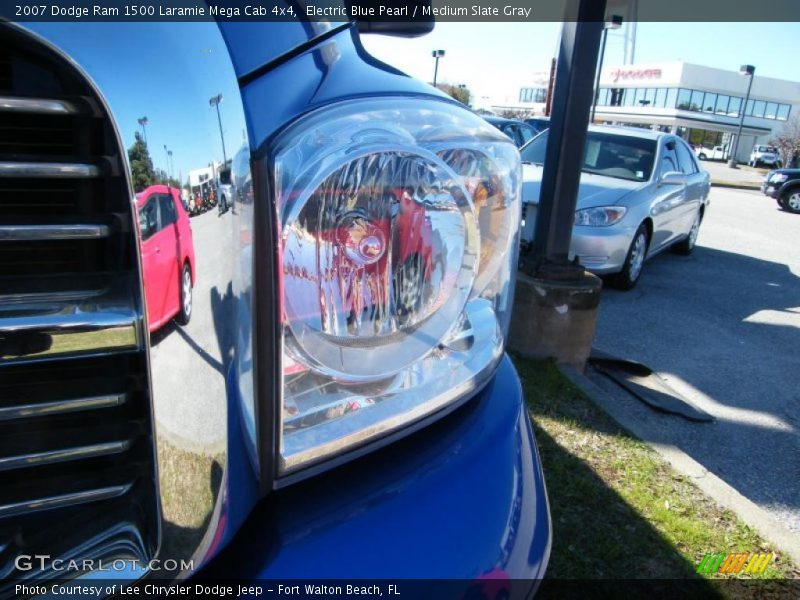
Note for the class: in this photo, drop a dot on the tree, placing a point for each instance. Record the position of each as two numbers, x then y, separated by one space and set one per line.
142 174
459 92
787 141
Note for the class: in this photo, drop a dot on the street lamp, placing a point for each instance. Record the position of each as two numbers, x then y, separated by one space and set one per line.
214 101
436 54
614 23
747 71
144 122
169 162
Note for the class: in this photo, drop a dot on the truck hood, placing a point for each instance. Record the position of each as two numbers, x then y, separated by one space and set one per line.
594 190
254 44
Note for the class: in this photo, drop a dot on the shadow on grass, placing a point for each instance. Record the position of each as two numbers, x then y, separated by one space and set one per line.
624 523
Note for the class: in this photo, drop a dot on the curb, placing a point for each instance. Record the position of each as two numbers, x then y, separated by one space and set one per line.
736 186
724 494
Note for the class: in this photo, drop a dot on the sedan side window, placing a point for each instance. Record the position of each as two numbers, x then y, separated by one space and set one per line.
512 132
148 219
685 160
168 213
526 133
669 162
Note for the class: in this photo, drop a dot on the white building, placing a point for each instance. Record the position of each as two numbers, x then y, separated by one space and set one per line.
701 103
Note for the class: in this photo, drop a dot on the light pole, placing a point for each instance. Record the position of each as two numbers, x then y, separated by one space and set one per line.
436 54
214 101
747 71
144 122
614 23
169 162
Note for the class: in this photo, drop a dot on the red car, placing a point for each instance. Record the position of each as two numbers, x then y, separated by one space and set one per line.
168 263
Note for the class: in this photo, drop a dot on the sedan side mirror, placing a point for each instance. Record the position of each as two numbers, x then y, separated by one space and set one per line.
672 178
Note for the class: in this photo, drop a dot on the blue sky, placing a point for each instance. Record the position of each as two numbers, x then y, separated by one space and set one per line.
158 60
495 59
492 59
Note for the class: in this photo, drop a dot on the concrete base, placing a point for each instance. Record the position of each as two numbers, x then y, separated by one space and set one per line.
554 318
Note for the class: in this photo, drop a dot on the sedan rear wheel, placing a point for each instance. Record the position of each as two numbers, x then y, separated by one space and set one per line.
686 245
632 268
185 313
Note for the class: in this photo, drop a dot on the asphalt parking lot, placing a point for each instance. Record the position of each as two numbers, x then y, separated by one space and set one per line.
190 411
723 328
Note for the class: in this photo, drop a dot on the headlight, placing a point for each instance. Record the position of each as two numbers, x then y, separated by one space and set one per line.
779 178
600 216
399 222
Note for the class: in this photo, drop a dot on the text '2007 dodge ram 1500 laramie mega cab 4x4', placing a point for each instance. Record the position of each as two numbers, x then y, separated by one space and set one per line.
339 403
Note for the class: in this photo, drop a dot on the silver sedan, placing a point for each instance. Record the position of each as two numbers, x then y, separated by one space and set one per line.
641 192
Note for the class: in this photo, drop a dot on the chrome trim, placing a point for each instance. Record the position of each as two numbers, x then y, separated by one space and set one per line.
55 456
44 106
19 233
64 500
48 170
26 411
69 334
189 365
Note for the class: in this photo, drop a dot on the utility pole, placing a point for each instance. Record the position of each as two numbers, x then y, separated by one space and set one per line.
556 300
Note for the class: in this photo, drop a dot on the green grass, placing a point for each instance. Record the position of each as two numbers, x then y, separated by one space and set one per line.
189 482
619 510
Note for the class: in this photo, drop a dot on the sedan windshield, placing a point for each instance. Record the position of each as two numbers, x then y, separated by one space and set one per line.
609 154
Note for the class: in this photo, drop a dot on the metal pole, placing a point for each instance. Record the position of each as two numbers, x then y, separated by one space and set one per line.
224 156
732 162
435 70
572 100
599 71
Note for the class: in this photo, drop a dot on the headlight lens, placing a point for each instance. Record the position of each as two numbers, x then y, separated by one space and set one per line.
600 216
779 178
399 225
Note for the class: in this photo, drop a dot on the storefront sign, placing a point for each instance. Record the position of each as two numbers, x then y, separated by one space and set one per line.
618 74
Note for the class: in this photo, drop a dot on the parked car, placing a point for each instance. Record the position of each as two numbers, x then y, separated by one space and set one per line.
519 131
764 155
715 153
168 263
641 192
784 186
264 442
539 124
224 190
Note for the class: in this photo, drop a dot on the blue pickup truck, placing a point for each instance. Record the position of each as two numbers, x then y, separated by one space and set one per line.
340 404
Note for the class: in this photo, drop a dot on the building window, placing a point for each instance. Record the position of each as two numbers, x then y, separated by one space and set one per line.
758 108
684 99
697 100
658 97
671 98
615 97
783 112
721 107
532 95
710 102
734 106
649 97
629 97
771 111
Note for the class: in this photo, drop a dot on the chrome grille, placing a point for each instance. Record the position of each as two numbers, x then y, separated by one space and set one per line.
77 476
